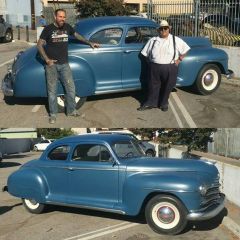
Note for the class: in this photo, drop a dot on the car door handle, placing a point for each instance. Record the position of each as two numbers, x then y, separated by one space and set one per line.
71 169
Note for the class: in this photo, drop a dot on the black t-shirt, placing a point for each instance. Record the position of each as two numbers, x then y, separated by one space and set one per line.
57 41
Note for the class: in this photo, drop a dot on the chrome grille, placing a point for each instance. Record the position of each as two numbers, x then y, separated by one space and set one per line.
213 194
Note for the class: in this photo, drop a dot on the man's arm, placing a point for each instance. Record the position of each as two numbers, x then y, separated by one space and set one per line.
84 40
42 52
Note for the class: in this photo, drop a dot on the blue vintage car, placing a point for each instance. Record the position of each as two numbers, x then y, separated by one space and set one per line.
117 65
110 172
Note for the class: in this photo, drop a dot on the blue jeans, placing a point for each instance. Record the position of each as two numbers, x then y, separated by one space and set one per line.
64 74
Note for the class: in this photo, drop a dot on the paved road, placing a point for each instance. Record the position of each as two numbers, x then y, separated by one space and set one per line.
64 223
221 109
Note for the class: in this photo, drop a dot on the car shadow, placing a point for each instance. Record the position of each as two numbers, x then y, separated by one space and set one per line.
25 101
206 225
209 224
6 209
15 156
9 164
89 212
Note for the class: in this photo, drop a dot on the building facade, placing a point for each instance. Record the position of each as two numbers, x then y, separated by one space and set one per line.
18 12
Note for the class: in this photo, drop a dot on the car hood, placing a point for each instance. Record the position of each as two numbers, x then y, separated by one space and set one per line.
170 165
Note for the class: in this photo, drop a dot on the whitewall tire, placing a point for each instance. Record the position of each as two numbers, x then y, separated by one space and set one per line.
33 206
166 215
208 79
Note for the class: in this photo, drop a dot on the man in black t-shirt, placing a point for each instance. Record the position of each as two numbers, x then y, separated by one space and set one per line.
53 47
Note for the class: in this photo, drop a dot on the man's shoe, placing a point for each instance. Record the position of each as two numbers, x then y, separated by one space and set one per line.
73 114
164 109
52 119
143 108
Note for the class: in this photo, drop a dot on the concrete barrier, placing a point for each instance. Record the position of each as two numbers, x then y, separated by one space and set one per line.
234 56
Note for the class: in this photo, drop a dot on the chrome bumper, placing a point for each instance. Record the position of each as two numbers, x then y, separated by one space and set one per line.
208 213
7 85
229 74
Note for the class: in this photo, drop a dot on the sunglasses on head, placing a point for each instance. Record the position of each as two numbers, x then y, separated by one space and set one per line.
163 28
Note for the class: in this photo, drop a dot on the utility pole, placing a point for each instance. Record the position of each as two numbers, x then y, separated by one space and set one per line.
33 25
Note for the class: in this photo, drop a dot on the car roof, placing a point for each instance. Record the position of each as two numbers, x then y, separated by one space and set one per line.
110 138
86 26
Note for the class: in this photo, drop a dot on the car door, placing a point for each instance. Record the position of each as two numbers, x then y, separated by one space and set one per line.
134 68
56 173
93 177
106 61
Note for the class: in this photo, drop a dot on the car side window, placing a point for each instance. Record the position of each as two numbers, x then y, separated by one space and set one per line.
110 36
140 34
59 153
92 153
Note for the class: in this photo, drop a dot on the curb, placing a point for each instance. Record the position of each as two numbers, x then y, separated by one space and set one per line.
232 226
233 82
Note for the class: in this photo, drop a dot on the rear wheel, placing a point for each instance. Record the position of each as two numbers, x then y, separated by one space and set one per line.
33 206
166 215
208 80
150 153
8 36
61 102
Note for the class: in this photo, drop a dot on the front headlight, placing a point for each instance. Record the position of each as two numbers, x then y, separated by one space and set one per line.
203 190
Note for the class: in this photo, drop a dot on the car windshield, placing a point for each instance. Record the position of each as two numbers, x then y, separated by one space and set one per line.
128 149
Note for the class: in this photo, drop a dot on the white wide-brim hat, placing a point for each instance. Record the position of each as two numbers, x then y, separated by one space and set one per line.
164 23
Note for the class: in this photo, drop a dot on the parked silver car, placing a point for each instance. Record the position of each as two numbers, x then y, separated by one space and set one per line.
6 32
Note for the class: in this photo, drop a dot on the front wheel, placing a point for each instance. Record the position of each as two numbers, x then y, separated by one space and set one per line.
61 102
166 215
33 206
208 79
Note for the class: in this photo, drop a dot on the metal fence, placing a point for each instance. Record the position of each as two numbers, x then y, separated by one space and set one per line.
217 19
226 142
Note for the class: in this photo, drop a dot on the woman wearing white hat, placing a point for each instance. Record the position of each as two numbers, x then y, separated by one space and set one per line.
164 53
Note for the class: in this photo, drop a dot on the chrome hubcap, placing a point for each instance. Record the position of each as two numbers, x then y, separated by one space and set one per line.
166 215
208 79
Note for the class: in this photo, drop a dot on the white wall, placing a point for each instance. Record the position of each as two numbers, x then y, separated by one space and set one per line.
234 56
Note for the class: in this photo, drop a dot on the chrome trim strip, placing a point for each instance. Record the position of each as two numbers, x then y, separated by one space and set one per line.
87 207
116 91
208 212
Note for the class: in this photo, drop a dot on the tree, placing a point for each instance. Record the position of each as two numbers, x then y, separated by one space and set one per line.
93 8
194 138
54 133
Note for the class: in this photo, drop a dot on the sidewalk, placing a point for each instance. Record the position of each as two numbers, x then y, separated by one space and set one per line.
232 220
23 35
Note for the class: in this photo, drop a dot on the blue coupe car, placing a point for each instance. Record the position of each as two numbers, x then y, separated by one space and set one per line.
117 66
110 172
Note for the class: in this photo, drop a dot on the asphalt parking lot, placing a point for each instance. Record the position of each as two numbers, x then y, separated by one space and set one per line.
65 223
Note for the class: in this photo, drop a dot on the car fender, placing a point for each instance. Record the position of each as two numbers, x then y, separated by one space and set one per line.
28 183
139 186
83 75
196 59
